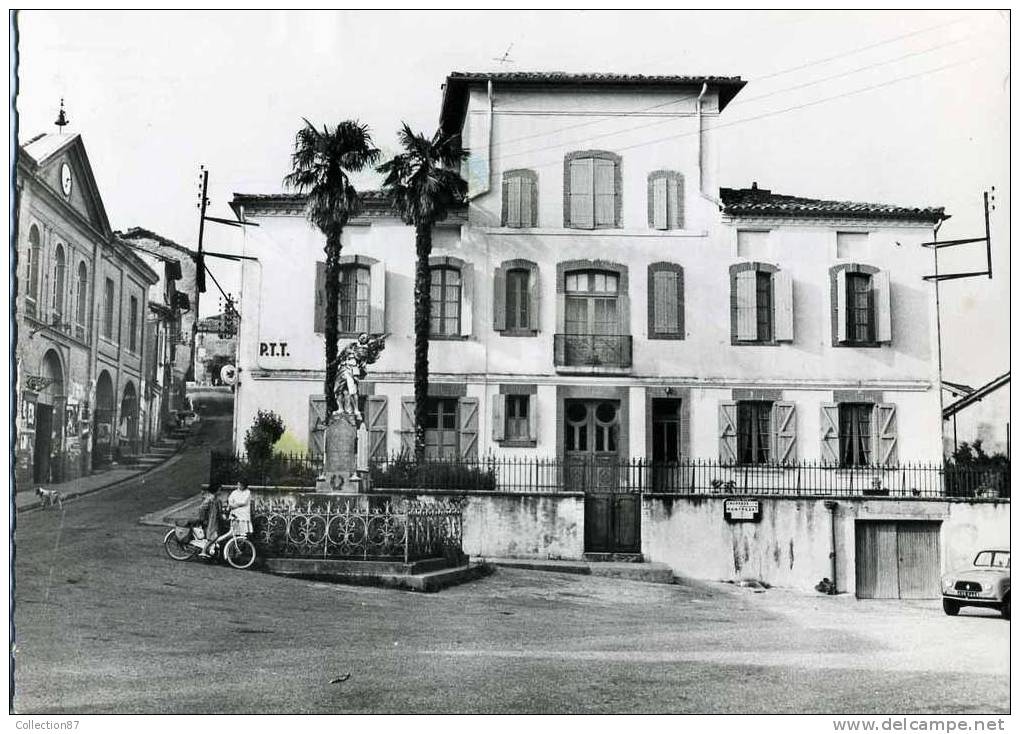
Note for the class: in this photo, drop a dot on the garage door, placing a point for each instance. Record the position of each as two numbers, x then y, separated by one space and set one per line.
897 559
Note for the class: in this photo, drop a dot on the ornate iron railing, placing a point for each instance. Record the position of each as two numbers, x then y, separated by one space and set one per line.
592 350
317 526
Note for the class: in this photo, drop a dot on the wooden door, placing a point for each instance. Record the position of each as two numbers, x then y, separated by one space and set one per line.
897 559
43 443
918 564
666 438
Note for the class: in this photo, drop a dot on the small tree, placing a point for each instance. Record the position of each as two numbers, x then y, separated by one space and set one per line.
266 430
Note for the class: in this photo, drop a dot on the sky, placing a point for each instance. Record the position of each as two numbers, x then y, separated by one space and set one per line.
906 107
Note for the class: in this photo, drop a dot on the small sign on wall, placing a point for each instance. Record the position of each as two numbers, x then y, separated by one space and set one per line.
742 510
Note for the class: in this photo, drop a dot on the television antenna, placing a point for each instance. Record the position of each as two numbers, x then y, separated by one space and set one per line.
505 58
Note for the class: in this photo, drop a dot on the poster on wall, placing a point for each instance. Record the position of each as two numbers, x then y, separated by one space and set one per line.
103 432
71 422
28 411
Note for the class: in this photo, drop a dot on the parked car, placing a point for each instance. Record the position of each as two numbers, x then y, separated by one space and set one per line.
984 584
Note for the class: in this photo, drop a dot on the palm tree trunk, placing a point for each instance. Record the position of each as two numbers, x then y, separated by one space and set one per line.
422 318
333 247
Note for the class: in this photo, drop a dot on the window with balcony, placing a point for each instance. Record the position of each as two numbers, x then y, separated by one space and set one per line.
593 322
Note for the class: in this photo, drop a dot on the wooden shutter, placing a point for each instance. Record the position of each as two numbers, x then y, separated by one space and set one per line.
513 201
499 300
316 424
468 432
527 201
534 299
605 193
830 434
747 305
782 293
377 298
728 432
675 201
660 207
498 421
665 298
883 313
319 320
376 427
840 306
886 442
533 417
505 209
784 423
407 424
582 194
467 298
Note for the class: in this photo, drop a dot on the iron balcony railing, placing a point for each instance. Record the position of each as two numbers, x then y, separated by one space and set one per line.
592 350
540 475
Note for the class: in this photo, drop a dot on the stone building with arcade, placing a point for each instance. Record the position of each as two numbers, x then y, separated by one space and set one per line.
80 310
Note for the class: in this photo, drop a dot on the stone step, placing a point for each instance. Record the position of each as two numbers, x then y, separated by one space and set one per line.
655 573
418 576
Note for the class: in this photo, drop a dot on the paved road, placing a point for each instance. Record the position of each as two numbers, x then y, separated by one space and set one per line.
106 623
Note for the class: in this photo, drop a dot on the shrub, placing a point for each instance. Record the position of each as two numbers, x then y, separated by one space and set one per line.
403 471
266 430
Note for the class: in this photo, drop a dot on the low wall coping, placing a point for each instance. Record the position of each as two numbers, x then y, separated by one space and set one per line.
408 490
856 498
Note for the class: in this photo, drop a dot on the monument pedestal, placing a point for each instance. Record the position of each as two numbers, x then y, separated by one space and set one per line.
341 458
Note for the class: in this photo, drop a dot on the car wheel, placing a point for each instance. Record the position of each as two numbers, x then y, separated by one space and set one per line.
950 607
1005 608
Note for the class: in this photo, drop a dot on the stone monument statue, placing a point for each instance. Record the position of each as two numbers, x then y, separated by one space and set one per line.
346 424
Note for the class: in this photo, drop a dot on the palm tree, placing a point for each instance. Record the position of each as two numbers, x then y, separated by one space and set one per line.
424 183
322 162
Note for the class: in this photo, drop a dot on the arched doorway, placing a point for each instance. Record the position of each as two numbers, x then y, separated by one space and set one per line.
127 428
47 464
102 433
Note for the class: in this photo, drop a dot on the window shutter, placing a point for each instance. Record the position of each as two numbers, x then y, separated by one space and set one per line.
533 417
499 300
747 305
660 216
582 194
886 443
883 312
728 432
840 306
675 200
784 422
498 422
377 298
376 427
664 302
407 424
527 201
468 414
319 320
513 200
534 299
782 293
505 210
467 298
830 434
605 193
316 424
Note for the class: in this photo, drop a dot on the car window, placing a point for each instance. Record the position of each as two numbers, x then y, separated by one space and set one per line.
992 559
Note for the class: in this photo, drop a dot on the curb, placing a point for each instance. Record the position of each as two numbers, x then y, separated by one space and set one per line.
156 519
36 504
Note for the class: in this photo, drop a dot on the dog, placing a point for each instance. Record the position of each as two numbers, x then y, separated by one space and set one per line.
50 497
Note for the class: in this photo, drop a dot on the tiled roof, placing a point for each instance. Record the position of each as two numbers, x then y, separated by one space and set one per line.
140 233
762 202
375 203
457 82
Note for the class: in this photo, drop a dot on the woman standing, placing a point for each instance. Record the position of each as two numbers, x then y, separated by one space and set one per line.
239 504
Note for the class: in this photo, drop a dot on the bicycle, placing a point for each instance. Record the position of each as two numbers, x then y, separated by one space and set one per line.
182 544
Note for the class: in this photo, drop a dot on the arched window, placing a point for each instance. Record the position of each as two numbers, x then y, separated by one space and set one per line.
82 293
59 269
34 255
665 200
592 190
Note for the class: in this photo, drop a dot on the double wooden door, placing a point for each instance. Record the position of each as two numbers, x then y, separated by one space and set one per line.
897 559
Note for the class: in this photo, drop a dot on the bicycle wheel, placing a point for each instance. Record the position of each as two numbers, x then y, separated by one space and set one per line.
239 552
176 549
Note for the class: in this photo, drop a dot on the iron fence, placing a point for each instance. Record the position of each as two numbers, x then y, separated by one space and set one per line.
529 475
592 350
341 528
